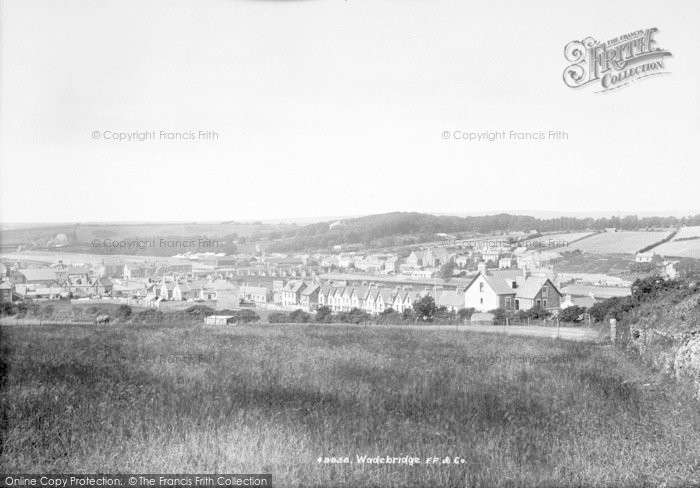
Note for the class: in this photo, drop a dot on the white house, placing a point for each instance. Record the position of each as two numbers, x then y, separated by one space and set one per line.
510 290
645 257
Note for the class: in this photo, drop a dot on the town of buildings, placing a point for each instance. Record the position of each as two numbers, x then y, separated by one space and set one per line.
487 276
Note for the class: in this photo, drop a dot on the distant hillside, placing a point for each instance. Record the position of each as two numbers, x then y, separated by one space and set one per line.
101 238
409 227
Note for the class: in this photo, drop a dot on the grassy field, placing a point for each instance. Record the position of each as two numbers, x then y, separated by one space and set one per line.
685 232
686 244
275 399
618 242
612 264
569 237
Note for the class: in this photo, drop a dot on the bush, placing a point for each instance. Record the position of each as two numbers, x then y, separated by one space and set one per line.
442 313
572 314
47 311
123 311
245 316
425 308
498 313
466 313
7 309
538 312
299 317
354 316
647 289
614 307
324 314
200 311
278 318
390 316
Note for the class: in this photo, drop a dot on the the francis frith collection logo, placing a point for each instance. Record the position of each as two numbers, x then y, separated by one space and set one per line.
614 63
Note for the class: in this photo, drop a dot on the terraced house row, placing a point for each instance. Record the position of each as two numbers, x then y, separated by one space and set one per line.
374 300
490 289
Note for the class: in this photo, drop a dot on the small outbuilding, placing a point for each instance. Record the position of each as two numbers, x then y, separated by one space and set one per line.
219 319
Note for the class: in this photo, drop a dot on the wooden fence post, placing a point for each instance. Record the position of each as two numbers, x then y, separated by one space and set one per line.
613 330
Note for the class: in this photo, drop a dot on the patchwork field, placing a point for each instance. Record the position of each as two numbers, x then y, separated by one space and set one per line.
618 242
276 400
565 237
686 244
686 232
610 264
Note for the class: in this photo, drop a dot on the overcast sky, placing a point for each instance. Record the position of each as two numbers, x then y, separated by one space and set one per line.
336 108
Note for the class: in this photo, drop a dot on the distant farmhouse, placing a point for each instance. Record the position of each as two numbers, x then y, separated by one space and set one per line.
646 257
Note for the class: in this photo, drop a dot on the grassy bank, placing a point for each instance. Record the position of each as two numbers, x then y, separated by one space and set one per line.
246 399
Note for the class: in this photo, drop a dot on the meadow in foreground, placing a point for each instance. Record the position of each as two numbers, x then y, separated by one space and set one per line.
275 399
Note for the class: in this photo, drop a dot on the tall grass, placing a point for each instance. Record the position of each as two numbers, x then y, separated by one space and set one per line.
274 399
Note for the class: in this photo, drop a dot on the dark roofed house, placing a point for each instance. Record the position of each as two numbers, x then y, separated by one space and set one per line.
309 297
415 259
291 293
227 294
6 292
102 286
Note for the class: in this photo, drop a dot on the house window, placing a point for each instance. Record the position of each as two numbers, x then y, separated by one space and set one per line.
544 303
481 287
517 304
544 291
481 301
538 302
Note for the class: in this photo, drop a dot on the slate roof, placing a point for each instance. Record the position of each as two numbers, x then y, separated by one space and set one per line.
526 287
361 292
39 274
223 285
387 296
254 289
499 285
309 290
294 286
530 287
450 299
